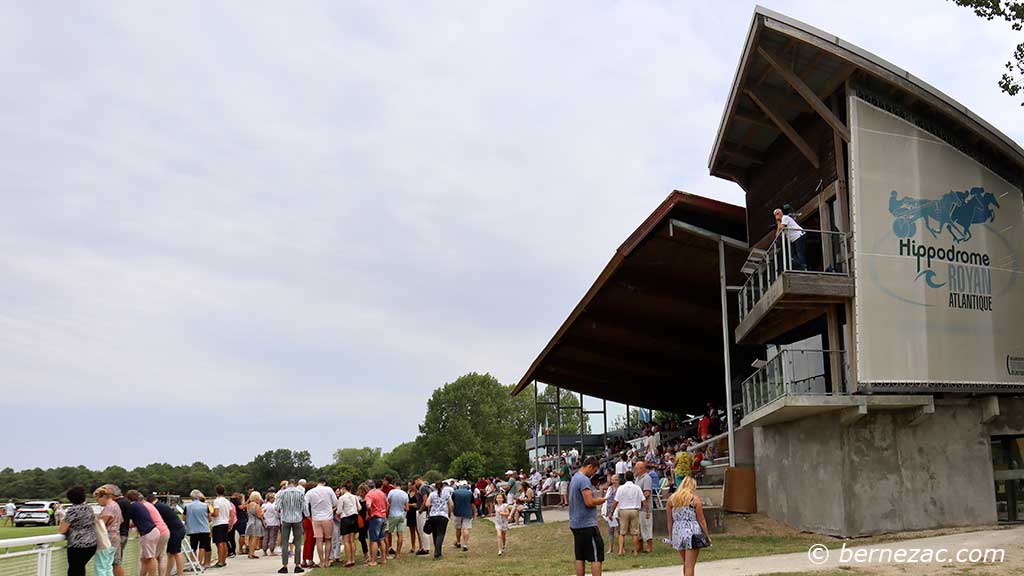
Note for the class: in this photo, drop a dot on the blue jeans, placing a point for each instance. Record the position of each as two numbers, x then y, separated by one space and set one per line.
376 529
797 253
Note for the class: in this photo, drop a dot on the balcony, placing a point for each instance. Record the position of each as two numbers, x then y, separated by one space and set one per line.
785 288
796 384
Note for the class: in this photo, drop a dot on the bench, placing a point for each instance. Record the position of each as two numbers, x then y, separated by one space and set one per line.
534 509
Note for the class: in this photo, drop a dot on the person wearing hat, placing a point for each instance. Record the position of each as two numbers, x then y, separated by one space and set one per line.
462 501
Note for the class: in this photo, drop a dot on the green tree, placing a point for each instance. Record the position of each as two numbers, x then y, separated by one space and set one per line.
269 468
476 413
431 476
358 465
406 460
1013 13
467 466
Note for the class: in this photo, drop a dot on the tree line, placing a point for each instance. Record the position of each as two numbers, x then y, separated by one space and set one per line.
473 426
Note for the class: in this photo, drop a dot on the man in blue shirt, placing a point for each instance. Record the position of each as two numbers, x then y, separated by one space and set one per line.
587 541
464 513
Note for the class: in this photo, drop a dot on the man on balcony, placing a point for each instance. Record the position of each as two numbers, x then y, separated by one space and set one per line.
795 236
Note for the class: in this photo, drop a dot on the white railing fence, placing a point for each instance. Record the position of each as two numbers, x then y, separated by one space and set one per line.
46 556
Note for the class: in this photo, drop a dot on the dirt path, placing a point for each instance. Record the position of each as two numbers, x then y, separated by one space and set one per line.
1011 541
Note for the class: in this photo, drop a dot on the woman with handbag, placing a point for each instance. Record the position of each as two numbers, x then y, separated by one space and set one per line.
440 505
686 524
364 529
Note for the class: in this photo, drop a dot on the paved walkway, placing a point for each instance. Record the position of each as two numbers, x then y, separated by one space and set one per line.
1008 540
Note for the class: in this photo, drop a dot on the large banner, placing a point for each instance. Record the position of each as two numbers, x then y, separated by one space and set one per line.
938 240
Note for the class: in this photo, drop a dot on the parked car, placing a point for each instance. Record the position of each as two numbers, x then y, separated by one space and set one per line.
38 512
172 500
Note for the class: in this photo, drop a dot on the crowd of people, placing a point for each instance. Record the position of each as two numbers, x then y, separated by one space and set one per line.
309 524
314 524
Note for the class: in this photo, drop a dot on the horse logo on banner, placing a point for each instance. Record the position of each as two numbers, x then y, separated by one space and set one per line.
954 212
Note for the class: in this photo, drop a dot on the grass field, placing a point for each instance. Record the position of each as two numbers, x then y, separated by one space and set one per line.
25 531
546 550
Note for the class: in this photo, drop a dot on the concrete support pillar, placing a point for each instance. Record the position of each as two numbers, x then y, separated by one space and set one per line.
989 408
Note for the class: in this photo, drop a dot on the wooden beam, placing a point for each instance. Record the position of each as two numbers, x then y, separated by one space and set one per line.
785 128
782 98
754 118
841 199
750 129
734 173
837 80
742 153
805 92
877 70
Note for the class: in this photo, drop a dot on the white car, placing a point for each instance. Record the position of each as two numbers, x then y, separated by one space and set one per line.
38 512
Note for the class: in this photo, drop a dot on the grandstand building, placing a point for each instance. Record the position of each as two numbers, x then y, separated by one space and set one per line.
875 358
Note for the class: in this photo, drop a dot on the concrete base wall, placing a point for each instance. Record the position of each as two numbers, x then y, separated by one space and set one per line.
881 474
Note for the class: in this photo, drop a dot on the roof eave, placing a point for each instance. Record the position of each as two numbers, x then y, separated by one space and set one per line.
864 60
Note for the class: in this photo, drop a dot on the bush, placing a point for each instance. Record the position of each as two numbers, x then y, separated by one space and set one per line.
467 466
431 476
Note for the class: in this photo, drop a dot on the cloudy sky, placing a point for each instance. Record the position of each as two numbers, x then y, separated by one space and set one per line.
232 227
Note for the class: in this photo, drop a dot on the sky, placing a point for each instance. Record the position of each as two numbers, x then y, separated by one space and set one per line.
233 227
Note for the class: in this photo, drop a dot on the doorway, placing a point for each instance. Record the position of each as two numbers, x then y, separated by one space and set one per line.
1008 466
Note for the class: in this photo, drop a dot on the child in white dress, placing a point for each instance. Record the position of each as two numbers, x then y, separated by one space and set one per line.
501 514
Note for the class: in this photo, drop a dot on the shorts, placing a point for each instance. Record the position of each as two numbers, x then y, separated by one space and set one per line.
349 525
563 488
588 544
463 523
629 522
200 541
161 545
323 528
174 544
646 526
396 524
220 534
375 529
148 544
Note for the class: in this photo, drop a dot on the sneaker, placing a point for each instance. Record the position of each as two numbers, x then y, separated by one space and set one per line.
501 552
458 545
283 570
298 570
465 548
422 553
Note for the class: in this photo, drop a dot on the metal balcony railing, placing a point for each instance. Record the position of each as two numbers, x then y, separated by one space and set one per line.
781 257
795 372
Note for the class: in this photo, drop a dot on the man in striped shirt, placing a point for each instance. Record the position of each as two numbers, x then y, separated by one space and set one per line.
291 508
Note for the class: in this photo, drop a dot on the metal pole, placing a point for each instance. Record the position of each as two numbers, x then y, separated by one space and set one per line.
536 431
604 414
582 445
725 353
558 421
